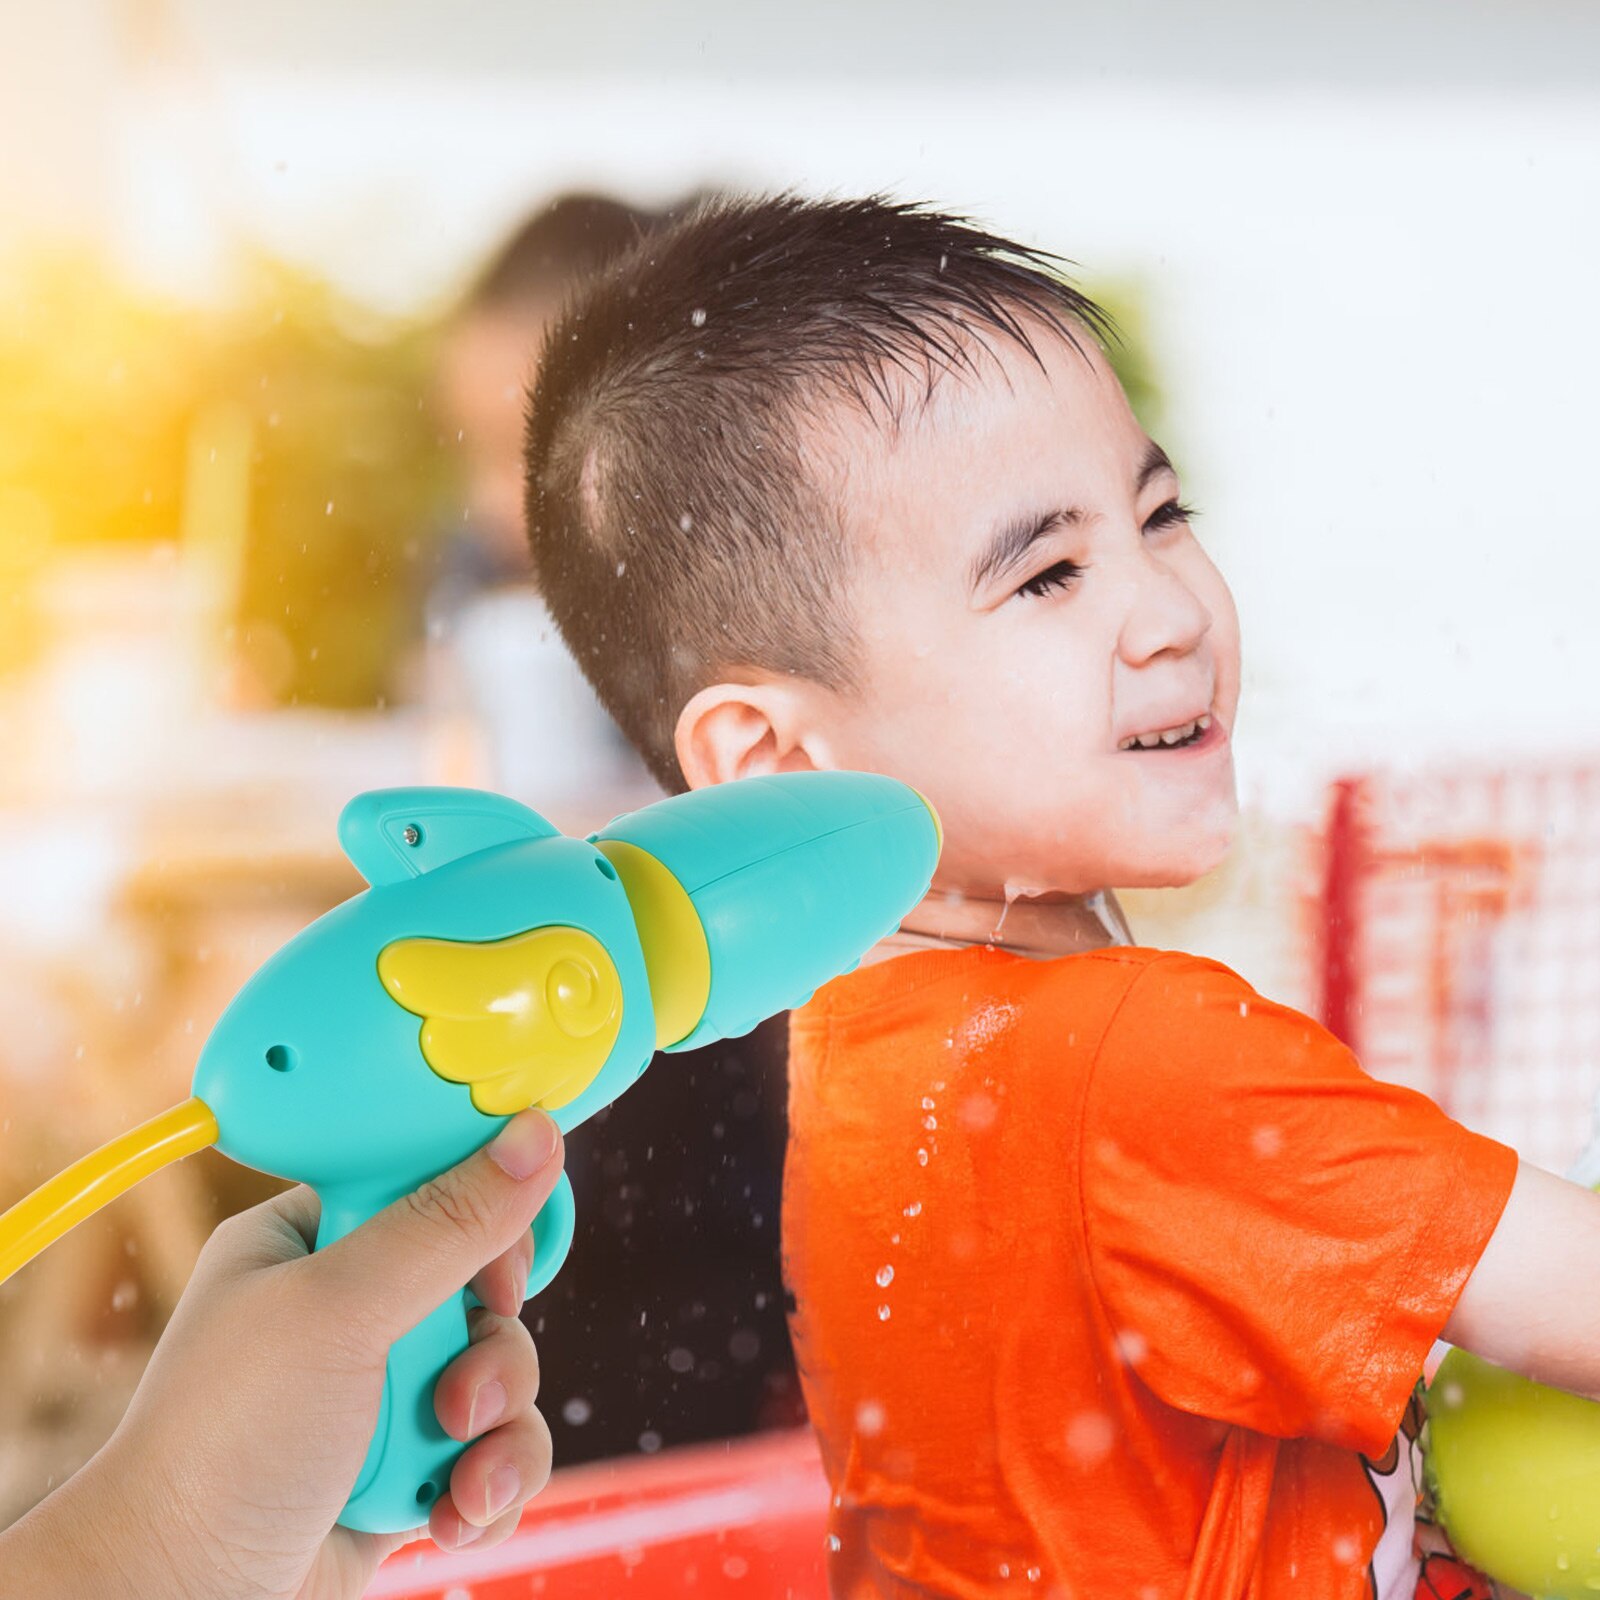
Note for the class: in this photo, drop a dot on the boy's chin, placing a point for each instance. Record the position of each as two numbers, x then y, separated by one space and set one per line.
1174 863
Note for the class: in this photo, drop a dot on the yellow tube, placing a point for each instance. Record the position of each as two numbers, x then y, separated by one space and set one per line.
42 1217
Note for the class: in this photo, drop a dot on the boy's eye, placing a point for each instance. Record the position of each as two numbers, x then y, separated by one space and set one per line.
1059 575
1169 515
1063 574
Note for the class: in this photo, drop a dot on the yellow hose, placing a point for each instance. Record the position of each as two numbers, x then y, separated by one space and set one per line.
42 1217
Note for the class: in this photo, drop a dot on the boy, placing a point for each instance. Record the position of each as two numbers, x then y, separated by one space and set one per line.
1111 1277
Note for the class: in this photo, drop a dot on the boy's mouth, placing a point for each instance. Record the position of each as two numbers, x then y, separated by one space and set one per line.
1182 736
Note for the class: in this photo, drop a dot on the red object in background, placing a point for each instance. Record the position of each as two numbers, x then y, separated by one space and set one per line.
746 1518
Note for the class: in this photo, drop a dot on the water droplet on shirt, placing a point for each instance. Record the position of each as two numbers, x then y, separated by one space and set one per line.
1033 1574
833 1541
930 1123
869 1418
1090 1436
927 1102
883 1313
697 317
914 1209
1132 1346
885 1277
922 1158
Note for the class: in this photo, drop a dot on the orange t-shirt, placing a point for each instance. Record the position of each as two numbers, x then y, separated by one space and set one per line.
1114 1279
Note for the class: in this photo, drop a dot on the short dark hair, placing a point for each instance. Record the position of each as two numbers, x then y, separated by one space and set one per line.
574 234
677 532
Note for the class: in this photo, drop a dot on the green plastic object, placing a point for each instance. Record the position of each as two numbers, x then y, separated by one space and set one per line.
1514 1467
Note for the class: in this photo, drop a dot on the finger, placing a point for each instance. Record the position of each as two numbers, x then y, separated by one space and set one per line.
282 1228
452 1531
300 1211
502 1471
502 1285
492 1381
389 1273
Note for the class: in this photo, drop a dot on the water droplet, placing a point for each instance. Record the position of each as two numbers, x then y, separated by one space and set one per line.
914 1209
927 1102
833 1541
922 1158
1033 1574
576 1411
686 522
869 1418
327 510
883 1313
735 1566
649 1441
697 317
680 1359
885 1277
1090 1436
930 1123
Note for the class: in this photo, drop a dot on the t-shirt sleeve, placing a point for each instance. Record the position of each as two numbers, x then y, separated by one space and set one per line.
1276 1237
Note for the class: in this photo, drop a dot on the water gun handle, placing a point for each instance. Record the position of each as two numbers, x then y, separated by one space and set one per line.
410 1458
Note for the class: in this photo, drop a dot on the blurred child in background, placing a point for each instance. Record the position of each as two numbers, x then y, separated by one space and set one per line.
667 1326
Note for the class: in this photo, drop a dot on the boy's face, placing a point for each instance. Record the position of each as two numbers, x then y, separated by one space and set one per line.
1028 597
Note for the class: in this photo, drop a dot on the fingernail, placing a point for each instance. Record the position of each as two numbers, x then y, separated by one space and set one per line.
468 1535
487 1408
505 1484
526 1142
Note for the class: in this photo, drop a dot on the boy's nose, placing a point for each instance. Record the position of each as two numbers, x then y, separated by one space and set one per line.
1163 613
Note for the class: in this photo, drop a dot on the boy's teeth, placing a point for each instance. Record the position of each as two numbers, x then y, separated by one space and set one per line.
1166 736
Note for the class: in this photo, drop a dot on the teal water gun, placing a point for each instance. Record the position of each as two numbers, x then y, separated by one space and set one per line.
494 964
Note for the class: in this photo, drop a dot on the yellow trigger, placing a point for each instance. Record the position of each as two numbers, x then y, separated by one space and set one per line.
527 1021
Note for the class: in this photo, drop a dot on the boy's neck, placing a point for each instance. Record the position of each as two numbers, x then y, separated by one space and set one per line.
1041 929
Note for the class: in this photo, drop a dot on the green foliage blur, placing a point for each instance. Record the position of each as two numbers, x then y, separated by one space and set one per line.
1130 356
112 403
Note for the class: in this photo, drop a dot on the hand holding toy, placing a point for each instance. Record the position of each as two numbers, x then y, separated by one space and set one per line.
494 964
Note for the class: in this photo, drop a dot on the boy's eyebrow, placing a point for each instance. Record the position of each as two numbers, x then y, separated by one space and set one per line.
1017 536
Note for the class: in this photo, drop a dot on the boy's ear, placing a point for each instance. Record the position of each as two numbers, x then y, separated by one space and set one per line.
742 730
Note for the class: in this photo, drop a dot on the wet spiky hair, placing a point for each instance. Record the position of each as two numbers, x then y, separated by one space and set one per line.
678 531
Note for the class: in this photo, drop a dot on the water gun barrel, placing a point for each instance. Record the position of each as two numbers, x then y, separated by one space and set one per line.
751 894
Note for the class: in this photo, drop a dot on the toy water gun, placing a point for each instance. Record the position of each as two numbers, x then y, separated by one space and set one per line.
495 964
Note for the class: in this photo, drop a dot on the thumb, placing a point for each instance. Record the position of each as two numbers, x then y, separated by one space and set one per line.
413 1255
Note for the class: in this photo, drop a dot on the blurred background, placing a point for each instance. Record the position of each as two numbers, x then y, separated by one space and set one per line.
271 281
